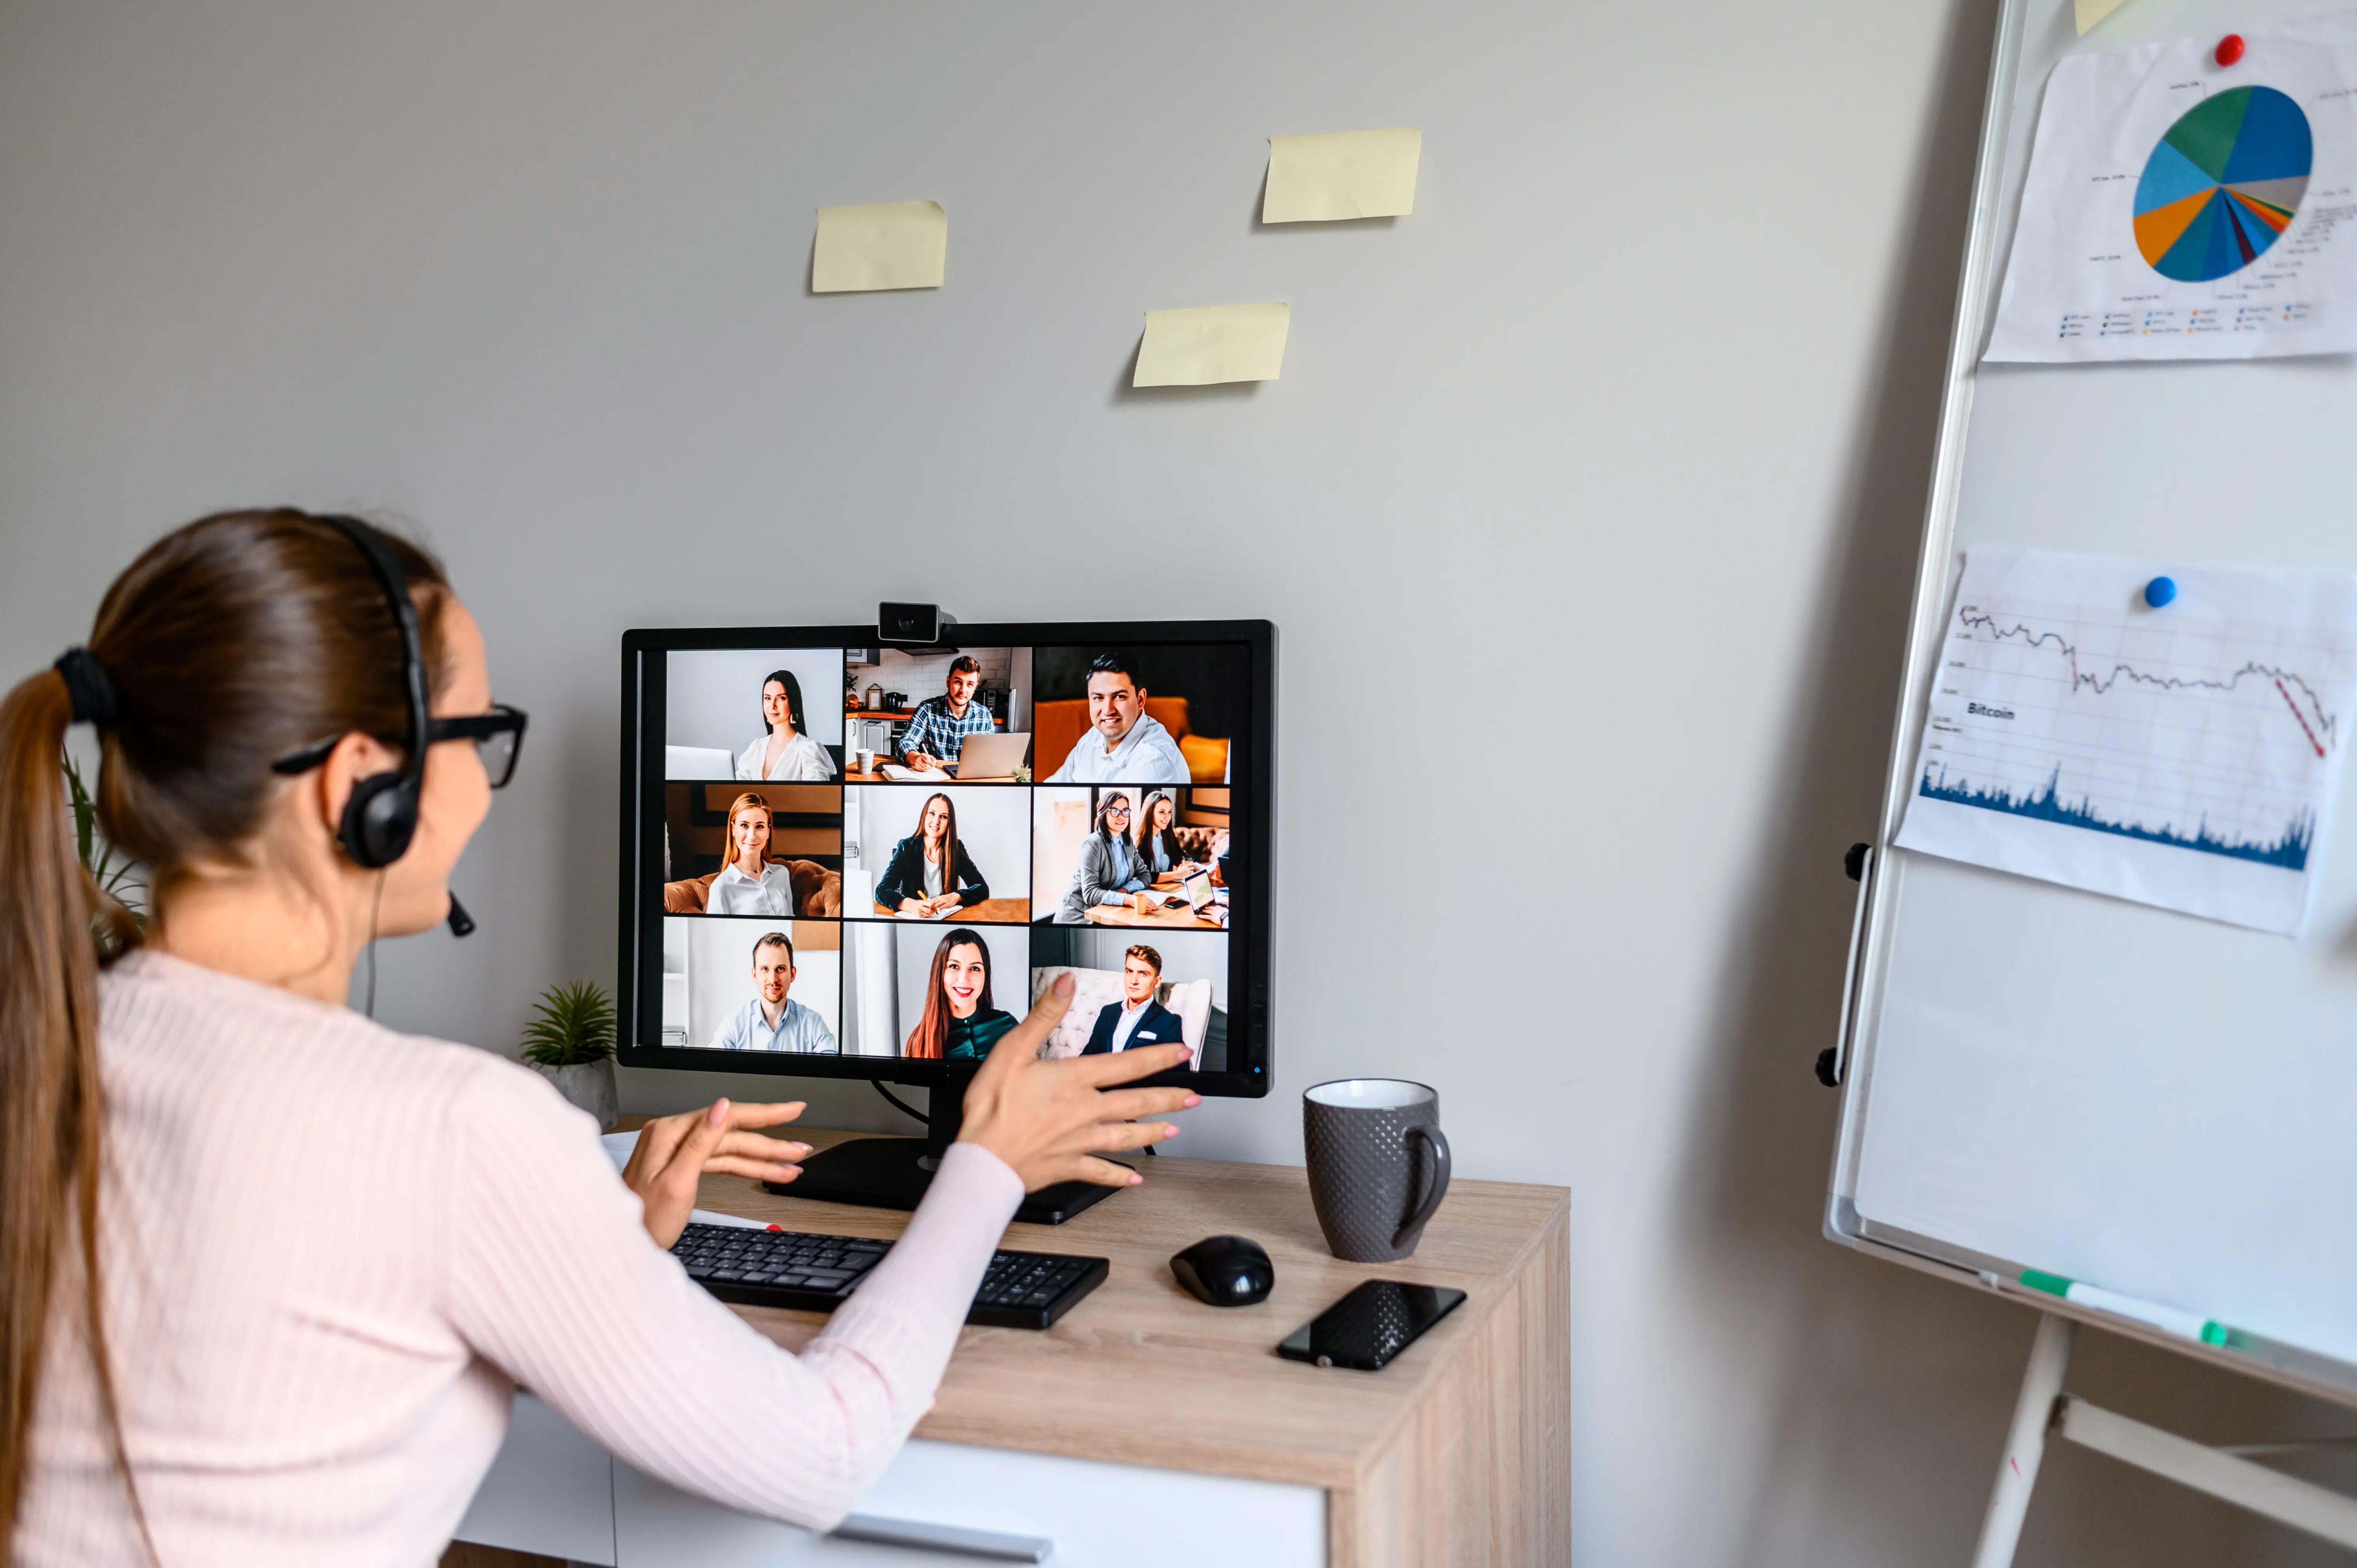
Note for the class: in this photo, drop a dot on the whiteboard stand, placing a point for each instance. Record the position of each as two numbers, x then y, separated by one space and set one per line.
2044 1409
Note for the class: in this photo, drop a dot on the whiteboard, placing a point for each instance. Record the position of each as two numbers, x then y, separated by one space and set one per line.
2038 1077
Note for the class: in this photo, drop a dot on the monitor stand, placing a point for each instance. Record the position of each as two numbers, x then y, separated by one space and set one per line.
893 1172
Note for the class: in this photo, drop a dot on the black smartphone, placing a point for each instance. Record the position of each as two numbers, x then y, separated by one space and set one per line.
1369 1326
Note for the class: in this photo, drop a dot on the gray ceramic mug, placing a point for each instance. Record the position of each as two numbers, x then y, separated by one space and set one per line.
1378 1165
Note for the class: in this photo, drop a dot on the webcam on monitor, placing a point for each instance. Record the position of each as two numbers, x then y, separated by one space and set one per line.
921 624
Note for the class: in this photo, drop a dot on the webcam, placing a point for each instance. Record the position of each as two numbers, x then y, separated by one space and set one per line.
919 624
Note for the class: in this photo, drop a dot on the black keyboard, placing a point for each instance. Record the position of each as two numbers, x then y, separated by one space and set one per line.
818 1273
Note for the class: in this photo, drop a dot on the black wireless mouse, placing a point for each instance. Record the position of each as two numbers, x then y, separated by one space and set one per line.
1225 1271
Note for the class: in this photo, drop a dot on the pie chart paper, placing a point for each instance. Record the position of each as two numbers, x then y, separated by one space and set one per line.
2178 210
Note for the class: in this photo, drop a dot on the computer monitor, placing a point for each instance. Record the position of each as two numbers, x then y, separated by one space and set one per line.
788 906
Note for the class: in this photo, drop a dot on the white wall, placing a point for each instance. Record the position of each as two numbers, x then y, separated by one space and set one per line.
1637 406
712 696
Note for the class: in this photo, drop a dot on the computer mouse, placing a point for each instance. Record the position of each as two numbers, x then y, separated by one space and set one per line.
1225 1271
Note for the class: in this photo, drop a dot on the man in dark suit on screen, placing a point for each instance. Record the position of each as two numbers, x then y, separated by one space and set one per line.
1138 1019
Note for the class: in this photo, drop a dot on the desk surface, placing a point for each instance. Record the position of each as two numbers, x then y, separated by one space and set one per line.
853 776
1140 1373
1183 918
990 911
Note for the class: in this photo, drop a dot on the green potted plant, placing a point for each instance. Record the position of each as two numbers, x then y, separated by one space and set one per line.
571 1040
113 874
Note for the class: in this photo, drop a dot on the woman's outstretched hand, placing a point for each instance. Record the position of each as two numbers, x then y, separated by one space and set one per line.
1049 1119
673 1153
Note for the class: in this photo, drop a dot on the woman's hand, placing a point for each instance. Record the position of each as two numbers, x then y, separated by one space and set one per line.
1049 1119
673 1153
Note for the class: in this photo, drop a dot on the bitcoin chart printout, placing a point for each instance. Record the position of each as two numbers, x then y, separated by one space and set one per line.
2179 209
2186 756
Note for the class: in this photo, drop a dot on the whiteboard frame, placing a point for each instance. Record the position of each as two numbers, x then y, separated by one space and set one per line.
1885 872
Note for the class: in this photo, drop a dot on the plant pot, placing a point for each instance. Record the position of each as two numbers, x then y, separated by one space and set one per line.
591 1086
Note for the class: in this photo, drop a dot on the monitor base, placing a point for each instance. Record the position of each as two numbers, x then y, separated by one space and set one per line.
893 1172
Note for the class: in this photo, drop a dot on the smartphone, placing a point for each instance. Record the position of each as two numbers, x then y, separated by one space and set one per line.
1369 1326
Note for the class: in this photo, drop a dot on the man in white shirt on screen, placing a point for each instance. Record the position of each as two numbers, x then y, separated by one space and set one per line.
1125 745
772 1020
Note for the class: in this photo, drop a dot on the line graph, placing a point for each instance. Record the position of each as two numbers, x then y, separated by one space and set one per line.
1974 619
2186 757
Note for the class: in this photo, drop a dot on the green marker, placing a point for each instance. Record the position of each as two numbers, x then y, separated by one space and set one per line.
2168 1319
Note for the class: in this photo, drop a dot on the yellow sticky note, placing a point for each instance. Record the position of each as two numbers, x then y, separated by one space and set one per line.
1215 343
885 244
2087 13
1345 174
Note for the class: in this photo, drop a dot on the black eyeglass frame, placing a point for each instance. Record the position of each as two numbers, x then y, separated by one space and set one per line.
501 720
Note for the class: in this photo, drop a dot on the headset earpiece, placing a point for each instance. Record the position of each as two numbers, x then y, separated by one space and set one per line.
380 819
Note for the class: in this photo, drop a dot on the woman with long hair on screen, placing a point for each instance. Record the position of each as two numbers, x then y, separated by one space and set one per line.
930 874
959 1023
784 752
270 1272
1108 872
750 883
1156 852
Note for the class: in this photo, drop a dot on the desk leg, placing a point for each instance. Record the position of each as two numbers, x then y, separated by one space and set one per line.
1480 1474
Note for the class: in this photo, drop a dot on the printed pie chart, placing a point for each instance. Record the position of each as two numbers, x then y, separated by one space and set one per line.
2222 184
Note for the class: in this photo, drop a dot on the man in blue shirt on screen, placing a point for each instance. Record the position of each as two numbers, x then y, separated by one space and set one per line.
937 734
772 1020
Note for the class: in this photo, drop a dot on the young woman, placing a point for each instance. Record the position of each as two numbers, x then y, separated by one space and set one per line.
269 1271
785 751
930 873
1107 873
751 883
1156 853
960 1024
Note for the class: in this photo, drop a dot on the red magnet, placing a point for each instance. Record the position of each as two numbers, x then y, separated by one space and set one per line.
2230 48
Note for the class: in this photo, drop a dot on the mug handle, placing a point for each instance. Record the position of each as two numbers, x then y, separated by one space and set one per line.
1432 1160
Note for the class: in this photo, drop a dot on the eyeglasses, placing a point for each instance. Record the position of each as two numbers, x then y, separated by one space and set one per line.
498 737
1116 810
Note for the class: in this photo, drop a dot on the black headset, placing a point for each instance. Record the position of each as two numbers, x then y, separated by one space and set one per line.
380 817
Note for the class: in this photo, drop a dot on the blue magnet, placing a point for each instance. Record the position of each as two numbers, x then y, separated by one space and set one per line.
2160 591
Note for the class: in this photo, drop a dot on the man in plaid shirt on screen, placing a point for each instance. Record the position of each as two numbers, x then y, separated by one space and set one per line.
937 733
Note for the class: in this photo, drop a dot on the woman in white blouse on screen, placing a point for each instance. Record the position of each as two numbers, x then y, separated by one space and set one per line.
751 883
786 752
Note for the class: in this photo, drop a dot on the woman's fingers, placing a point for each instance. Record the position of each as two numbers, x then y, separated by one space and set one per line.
1104 1173
753 1145
1022 1043
1129 1104
1120 1066
1109 1136
756 1169
765 1115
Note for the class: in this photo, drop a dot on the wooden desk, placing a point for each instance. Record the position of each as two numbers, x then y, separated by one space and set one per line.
1183 918
1459 1453
853 776
989 912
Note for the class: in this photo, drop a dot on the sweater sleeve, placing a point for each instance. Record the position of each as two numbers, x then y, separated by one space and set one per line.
554 1278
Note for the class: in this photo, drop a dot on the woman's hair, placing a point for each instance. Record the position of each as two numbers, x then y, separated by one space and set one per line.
1104 806
949 839
728 825
230 643
793 700
1146 836
930 1037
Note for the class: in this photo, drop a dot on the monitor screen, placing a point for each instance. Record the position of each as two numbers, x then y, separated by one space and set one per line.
847 860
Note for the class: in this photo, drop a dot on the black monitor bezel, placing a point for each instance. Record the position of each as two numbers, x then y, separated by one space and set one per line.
639 986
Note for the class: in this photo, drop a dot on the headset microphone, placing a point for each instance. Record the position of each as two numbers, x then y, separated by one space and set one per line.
461 923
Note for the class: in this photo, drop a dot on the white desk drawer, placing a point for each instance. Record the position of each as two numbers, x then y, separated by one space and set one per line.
550 1490
1095 1515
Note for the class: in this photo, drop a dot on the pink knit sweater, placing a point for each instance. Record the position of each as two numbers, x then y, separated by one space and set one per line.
331 1252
